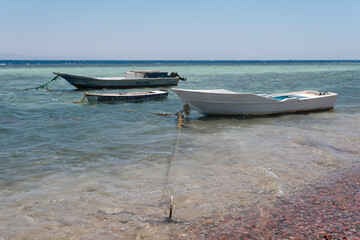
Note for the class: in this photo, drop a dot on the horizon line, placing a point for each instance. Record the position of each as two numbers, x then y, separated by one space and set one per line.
180 60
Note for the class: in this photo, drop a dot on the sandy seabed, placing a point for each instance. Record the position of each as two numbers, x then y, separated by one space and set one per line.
326 210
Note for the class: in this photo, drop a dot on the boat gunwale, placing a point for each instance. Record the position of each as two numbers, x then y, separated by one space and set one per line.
127 94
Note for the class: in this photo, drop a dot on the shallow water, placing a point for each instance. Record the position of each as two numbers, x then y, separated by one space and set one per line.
107 171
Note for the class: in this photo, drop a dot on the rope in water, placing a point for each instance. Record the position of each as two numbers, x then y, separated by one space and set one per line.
168 192
81 100
44 86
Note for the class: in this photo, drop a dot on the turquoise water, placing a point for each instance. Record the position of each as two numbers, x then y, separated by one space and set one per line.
107 170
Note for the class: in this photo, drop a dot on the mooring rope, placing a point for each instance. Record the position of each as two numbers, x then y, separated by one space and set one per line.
81 100
167 188
44 86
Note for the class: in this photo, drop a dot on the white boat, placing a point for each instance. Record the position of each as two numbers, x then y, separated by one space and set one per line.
133 79
224 102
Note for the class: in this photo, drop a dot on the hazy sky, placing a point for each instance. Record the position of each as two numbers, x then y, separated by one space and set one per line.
180 29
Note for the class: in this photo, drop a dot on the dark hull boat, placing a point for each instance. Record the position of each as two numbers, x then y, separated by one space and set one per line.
134 79
126 97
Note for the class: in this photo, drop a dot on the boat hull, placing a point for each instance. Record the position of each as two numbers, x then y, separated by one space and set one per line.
126 97
83 82
231 103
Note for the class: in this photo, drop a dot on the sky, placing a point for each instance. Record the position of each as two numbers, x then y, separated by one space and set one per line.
180 29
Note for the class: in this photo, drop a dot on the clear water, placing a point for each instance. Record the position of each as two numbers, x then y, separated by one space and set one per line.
106 171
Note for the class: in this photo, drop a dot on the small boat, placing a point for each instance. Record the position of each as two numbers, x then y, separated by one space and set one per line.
224 102
133 79
126 97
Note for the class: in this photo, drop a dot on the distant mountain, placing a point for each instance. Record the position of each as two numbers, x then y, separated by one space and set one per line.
9 56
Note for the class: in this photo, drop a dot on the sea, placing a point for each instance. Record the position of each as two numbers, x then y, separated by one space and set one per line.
114 171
